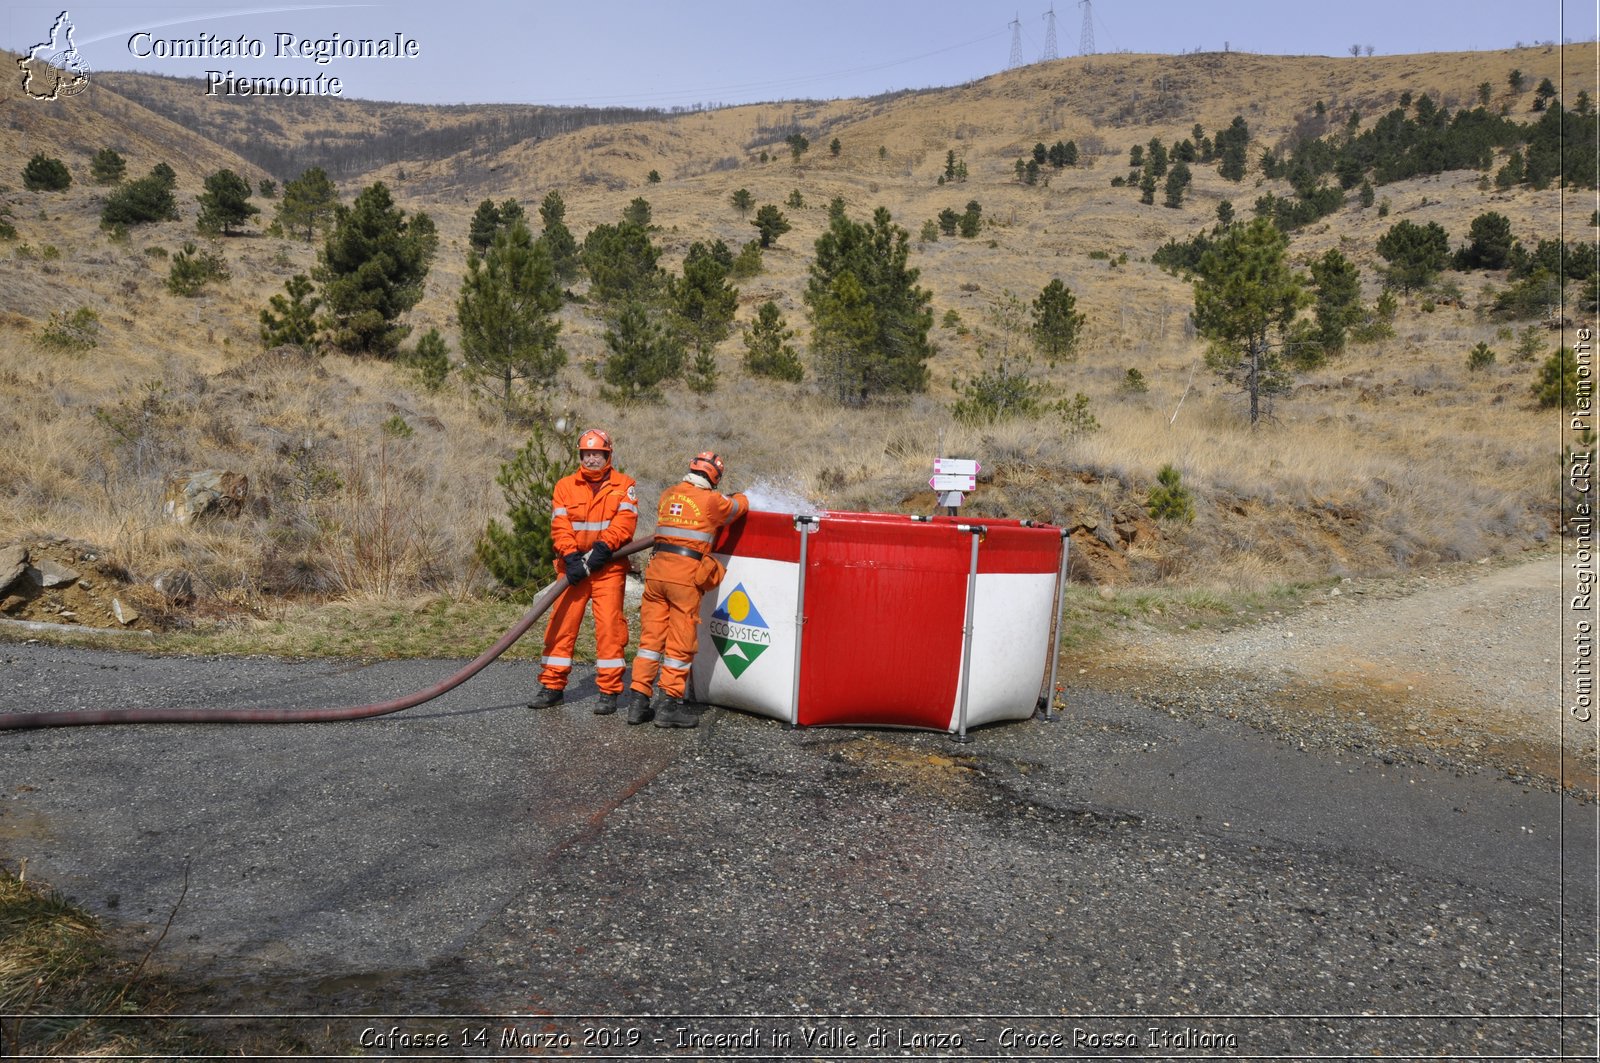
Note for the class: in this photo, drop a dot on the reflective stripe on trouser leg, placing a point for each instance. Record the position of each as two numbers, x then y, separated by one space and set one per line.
683 637
561 636
652 638
610 626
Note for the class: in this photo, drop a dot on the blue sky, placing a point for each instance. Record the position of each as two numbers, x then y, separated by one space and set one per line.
664 54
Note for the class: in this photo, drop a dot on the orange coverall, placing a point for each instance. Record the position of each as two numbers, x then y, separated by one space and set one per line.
687 518
585 509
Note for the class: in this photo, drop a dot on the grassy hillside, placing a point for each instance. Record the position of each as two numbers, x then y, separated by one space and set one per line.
365 484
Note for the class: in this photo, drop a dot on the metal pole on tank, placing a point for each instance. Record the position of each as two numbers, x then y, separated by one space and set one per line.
1061 608
977 531
805 525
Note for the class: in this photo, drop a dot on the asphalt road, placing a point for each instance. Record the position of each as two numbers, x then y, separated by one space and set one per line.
473 878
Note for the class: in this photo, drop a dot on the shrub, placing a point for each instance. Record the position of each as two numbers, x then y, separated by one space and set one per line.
768 352
1558 380
1135 383
77 331
701 376
398 428
1169 499
521 556
1480 357
996 395
1075 416
431 359
192 268
1529 298
107 166
148 199
46 174
747 263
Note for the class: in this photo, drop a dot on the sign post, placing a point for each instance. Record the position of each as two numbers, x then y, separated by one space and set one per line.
952 477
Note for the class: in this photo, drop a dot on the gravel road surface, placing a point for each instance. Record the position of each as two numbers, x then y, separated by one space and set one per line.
1133 879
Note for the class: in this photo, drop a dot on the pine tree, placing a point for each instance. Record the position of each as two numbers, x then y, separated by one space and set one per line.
1489 243
621 262
521 556
225 203
507 309
557 238
309 201
371 268
1415 253
637 212
869 318
46 174
703 301
1337 282
1232 147
291 317
643 355
768 352
1057 324
485 223
148 199
107 167
431 359
1244 303
771 224
971 220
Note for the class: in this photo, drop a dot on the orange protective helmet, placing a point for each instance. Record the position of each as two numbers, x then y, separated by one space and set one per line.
594 439
708 465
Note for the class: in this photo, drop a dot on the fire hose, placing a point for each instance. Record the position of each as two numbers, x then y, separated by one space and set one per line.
541 603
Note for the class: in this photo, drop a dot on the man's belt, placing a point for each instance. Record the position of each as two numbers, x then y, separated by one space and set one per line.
671 548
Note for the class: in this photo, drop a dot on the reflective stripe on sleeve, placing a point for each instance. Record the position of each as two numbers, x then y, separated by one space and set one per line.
590 525
629 506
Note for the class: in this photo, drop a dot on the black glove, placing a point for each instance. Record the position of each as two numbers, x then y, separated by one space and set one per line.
577 571
599 554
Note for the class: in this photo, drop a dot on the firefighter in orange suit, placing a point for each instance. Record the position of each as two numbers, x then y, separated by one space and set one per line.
592 512
681 569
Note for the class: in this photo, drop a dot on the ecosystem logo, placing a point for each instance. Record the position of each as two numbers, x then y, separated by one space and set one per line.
54 69
738 631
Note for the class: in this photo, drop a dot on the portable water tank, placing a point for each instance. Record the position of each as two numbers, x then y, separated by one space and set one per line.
871 619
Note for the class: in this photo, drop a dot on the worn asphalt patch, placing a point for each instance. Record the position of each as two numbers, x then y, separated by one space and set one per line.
1047 889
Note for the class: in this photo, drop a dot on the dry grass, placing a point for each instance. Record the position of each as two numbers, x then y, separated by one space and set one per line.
367 487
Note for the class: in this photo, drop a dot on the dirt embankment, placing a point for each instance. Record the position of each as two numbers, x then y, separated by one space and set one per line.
1462 665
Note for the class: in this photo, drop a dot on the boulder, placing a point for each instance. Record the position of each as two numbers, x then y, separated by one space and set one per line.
13 563
54 574
177 587
202 495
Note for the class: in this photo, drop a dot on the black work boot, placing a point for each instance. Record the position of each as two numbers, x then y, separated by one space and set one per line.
546 698
606 705
639 710
674 713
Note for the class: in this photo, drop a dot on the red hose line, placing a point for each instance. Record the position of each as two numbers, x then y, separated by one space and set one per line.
541 603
